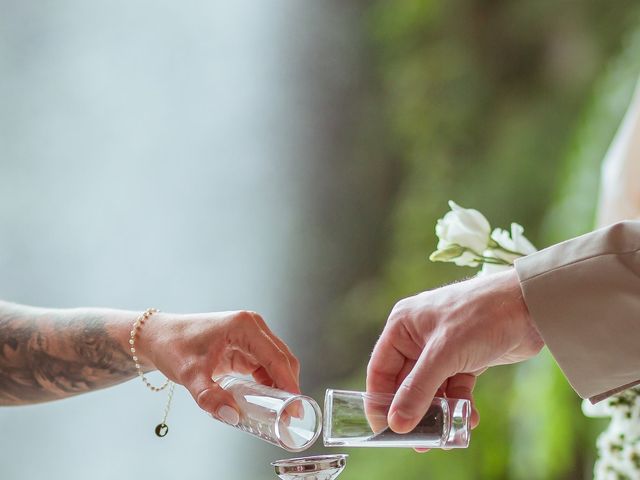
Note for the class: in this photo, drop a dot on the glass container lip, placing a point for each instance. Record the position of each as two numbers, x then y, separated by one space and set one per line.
317 463
318 429
384 397
370 395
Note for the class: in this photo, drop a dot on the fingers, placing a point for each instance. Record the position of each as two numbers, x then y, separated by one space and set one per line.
295 409
264 349
261 376
461 386
293 360
376 409
213 399
416 392
406 370
458 386
396 347
385 366
475 415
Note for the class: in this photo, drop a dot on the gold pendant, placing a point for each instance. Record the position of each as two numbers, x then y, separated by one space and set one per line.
162 429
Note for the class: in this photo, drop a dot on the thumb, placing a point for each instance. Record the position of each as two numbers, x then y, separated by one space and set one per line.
414 397
212 398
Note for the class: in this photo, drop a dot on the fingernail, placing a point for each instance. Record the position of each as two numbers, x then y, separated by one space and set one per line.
401 415
228 415
399 419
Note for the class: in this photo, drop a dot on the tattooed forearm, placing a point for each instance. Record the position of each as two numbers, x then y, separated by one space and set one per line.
52 354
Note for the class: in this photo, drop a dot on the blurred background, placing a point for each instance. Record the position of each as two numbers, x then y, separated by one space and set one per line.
293 158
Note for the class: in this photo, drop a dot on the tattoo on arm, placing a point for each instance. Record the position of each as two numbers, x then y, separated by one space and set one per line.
52 354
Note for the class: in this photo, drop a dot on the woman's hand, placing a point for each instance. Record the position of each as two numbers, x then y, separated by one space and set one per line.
191 349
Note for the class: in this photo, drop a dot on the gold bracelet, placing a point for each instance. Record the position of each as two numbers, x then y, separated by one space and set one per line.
162 428
137 326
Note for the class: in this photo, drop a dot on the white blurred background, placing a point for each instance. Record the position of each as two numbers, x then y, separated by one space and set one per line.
154 153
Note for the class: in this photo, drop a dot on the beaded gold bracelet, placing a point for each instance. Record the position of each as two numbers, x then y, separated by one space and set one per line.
162 428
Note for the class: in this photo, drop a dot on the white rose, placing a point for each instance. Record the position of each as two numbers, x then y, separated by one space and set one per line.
516 244
465 227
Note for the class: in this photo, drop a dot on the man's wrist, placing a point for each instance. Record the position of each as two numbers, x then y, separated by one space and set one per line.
514 291
519 312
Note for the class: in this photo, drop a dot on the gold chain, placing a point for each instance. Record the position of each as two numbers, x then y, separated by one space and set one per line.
162 428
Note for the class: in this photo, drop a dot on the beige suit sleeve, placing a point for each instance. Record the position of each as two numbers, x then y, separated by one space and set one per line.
584 297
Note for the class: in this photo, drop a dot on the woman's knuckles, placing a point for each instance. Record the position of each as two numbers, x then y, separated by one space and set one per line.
245 320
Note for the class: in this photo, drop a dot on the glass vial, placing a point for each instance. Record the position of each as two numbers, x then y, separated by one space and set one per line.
281 418
359 419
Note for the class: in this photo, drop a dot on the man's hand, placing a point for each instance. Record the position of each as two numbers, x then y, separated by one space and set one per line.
440 340
191 349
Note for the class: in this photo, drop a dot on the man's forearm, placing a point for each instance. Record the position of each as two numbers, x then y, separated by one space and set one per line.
49 354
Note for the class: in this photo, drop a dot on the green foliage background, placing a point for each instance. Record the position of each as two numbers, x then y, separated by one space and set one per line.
508 107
